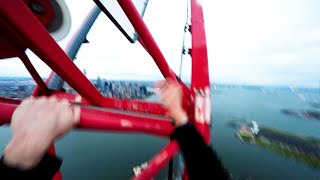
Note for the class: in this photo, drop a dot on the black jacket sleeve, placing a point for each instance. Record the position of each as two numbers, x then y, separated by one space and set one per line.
46 169
201 161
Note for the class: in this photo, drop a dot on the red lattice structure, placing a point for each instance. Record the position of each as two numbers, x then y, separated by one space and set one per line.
21 30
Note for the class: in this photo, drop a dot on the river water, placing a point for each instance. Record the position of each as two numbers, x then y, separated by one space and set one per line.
100 155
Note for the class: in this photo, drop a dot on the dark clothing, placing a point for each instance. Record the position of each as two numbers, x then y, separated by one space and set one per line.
201 161
46 169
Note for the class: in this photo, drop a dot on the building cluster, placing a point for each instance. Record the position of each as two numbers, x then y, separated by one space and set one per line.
120 89
17 88
124 89
22 87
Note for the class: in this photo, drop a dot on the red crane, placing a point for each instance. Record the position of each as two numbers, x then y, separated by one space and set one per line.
25 25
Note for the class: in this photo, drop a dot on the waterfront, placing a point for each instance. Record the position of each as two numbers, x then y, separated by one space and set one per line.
21 87
246 160
97 155
306 150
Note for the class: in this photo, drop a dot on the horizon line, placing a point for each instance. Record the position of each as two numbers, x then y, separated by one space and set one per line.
211 83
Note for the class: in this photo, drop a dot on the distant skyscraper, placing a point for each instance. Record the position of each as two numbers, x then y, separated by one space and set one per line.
85 72
99 84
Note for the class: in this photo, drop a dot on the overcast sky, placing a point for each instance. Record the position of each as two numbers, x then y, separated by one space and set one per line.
267 42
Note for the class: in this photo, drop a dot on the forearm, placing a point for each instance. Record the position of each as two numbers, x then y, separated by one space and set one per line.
45 169
25 151
35 124
25 158
201 161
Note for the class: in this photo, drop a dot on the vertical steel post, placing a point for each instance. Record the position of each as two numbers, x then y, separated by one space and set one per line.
200 83
150 44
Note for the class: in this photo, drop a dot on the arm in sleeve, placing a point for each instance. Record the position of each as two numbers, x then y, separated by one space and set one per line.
46 169
201 161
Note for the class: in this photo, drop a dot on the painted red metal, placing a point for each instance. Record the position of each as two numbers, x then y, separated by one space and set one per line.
200 70
37 88
20 24
150 45
24 24
158 161
43 89
47 15
185 89
97 119
200 83
94 118
9 100
10 44
146 37
6 112
121 104
134 105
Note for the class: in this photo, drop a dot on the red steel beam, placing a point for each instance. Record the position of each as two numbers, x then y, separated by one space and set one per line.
121 104
158 161
6 112
36 90
47 49
135 105
103 120
200 83
185 89
146 37
9 100
18 16
149 43
41 87
200 77
111 121
94 118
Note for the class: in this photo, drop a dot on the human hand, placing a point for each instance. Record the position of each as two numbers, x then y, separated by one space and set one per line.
35 124
170 94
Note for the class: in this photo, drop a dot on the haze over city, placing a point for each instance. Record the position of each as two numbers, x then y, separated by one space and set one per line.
249 42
